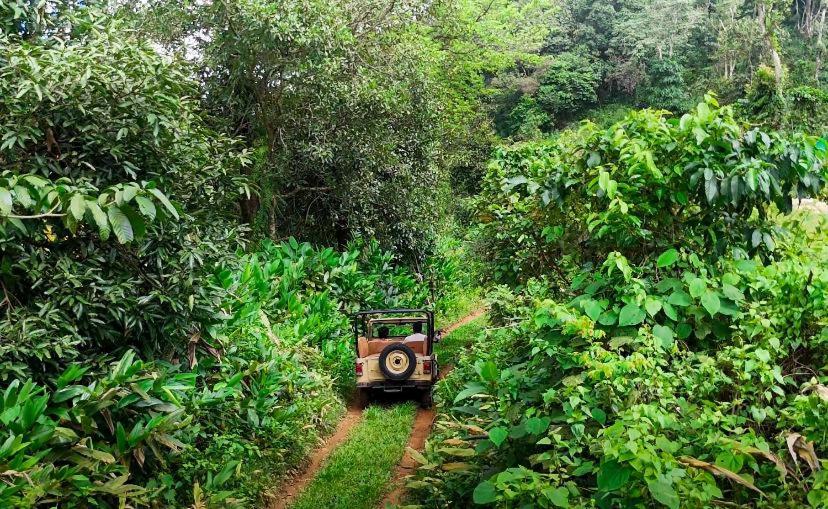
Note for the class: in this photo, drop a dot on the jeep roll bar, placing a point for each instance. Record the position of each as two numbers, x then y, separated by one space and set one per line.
359 317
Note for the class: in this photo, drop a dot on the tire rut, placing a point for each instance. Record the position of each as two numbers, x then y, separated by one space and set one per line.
422 429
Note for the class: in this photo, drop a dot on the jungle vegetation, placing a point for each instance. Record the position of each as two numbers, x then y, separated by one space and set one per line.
194 195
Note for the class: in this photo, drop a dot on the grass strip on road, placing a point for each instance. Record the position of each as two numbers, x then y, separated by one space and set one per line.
357 473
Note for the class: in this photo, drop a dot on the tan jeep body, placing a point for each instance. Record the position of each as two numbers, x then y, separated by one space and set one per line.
377 334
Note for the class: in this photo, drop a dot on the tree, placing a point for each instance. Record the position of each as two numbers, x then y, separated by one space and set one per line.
356 109
568 85
108 170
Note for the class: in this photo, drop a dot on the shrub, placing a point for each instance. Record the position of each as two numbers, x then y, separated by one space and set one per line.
568 86
641 186
672 355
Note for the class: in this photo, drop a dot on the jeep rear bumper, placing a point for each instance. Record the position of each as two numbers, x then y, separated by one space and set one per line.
392 386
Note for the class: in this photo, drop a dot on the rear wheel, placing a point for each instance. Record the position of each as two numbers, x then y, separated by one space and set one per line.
362 397
426 398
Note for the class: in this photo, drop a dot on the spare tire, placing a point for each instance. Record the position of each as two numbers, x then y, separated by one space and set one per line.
397 361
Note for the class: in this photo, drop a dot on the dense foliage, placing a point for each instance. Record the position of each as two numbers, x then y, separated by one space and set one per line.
659 315
663 340
668 53
120 242
355 110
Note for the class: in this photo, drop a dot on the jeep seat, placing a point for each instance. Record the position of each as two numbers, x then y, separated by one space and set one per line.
368 347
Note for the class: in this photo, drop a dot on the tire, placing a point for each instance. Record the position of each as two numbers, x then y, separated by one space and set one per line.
362 398
426 398
397 362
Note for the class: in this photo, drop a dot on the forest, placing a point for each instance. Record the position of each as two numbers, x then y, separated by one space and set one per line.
616 211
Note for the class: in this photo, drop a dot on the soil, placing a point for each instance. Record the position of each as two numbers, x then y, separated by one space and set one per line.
474 315
288 492
422 428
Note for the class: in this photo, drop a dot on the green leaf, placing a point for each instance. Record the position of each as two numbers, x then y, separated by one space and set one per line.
664 492
630 314
5 201
670 311
77 206
613 475
139 228
120 224
679 298
558 496
498 435
484 493
711 189
652 305
99 217
730 461
537 425
146 207
710 301
489 371
697 287
470 390
164 201
733 293
664 335
603 180
592 308
599 415
667 258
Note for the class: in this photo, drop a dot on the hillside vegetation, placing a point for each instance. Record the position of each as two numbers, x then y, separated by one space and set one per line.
661 329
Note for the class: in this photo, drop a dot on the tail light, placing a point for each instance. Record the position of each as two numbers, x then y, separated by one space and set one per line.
358 369
426 367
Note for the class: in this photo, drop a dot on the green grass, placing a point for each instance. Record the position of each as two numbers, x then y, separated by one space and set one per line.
449 349
452 308
358 472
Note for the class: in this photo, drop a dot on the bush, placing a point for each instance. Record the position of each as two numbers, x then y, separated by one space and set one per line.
641 186
664 87
672 356
568 86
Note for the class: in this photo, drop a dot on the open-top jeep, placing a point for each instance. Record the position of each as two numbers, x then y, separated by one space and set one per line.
395 352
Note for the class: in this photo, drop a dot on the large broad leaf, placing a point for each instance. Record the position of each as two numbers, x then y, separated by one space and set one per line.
498 435
99 217
710 301
679 298
558 496
5 202
664 335
77 206
667 258
164 201
592 308
630 314
139 228
489 371
470 390
664 492
613 475
484 493
146 207
537 425
653 305
120 224
697 287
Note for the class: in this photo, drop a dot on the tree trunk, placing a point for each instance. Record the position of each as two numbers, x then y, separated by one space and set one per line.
249 208
768 36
